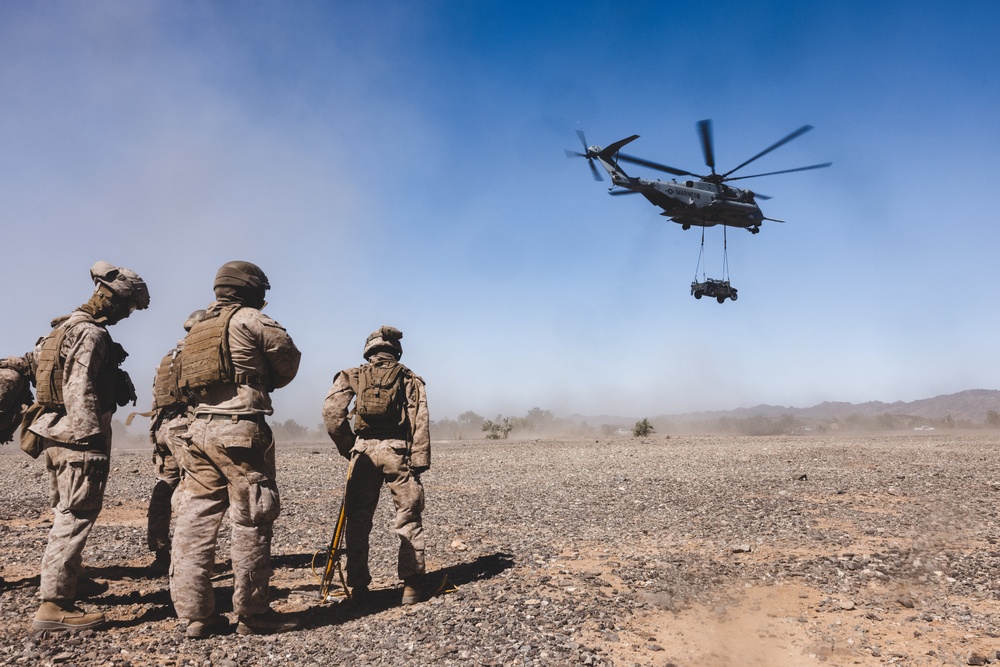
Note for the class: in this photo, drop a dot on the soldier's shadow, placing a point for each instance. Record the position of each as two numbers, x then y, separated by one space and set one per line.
17 584
157 597
437 582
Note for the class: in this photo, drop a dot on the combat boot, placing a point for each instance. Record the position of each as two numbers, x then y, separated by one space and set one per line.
269 623
64 615
216 624
412 593
360 595
161 564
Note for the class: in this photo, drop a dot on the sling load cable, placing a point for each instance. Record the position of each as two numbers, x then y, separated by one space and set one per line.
701 255
725 256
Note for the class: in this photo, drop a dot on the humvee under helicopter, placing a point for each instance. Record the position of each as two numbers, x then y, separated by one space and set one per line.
719 289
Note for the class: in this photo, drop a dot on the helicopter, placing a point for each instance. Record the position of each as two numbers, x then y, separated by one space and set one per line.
705 202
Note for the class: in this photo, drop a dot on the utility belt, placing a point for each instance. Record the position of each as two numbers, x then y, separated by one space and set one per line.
249 378
256 417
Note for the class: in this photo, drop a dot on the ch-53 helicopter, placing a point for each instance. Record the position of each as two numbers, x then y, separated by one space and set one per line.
705 202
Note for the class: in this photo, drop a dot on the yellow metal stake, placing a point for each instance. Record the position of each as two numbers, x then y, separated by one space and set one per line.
333 571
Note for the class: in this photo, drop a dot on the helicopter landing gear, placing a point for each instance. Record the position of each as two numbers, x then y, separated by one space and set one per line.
685 226
754 230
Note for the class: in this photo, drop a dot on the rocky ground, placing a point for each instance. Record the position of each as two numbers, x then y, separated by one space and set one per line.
684 551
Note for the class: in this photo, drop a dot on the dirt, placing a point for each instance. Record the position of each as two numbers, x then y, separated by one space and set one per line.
684 551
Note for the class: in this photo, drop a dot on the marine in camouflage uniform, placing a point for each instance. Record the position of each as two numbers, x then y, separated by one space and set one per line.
169 423
227 455
395 455
16 377
79 387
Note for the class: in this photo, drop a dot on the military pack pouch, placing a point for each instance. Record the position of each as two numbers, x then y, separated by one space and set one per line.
31 443
82 487
124 389
265 501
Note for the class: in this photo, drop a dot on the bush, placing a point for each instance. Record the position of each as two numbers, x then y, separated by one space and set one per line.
642 428
499 429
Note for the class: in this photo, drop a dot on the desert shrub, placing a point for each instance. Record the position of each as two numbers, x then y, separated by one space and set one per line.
642 428
499 429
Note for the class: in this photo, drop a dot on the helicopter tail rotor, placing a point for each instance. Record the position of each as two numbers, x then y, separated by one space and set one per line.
587 153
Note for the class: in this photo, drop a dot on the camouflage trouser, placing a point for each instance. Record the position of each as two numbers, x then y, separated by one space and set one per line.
230 465
374 462
168 476
76 481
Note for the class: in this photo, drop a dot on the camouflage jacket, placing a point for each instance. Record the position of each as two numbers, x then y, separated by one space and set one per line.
259 347
86 350
336 415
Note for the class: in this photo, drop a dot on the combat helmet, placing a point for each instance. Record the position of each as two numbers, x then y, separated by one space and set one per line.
241 274
243 282
385 339
195 317
122 284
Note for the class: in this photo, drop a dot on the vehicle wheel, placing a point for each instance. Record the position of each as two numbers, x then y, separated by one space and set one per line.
697 295
733 296
720 299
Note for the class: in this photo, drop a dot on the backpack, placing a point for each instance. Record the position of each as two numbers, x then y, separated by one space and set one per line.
380 406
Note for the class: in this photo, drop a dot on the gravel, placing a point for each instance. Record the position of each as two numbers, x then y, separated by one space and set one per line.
555 552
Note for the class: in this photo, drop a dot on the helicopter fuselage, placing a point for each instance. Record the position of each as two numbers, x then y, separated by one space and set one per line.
692 203
700 203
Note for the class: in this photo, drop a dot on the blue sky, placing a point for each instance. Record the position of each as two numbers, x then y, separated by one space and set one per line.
402 163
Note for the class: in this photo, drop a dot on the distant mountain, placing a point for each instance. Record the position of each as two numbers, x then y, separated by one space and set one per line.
969 406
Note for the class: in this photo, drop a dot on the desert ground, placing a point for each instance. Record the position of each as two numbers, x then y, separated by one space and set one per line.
669 550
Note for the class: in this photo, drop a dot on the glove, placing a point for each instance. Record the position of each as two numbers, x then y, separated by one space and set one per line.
95 466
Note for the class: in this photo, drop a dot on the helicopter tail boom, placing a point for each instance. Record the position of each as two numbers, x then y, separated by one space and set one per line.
609 152
608 157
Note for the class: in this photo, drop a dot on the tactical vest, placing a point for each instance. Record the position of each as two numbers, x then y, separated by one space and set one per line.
380 403
49 374
206 359
166 393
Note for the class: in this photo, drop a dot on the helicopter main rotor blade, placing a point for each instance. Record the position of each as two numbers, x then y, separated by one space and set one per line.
797 133
705 131
656 165
615 193
783 171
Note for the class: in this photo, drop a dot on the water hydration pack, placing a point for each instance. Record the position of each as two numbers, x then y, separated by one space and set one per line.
380 405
